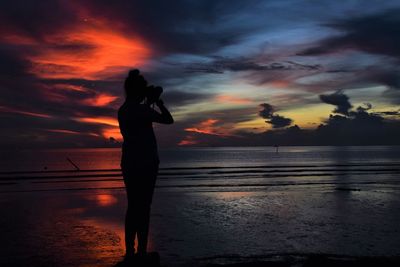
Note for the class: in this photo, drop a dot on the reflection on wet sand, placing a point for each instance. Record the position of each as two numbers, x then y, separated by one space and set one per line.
199 220
103 200
56 230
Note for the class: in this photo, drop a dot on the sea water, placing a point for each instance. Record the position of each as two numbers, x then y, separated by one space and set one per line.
210 203
107 158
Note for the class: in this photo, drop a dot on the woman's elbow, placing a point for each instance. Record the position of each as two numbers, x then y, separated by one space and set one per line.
165 120
170 121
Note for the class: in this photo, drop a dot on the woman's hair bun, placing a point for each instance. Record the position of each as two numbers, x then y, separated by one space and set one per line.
134 73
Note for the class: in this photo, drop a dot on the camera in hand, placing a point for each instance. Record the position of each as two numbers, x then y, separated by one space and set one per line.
153 93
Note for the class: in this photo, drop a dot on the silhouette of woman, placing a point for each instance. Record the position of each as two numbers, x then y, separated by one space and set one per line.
140 160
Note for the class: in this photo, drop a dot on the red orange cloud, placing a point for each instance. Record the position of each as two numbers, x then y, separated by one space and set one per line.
204 127
110 126
100 100
207 127
89 51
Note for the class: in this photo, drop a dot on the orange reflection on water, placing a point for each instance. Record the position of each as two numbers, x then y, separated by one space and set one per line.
106 200
103 200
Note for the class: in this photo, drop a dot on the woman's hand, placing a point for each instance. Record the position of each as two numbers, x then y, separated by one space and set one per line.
165 116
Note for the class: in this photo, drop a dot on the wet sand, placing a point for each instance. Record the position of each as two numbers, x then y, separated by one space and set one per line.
281 225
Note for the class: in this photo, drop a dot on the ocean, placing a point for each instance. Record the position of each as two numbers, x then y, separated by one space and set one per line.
109 158
202 167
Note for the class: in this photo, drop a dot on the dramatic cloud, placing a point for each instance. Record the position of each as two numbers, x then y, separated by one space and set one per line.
277 121
267 111
338 99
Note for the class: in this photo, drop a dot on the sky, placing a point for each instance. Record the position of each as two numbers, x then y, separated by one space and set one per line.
284 72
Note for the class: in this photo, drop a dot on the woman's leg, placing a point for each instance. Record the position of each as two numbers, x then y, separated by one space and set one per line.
144 209
130 230
143 230
130 223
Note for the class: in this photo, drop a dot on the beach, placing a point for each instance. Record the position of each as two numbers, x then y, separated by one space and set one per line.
209 212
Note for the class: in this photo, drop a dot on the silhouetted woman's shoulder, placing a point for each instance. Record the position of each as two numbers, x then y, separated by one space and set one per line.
135 111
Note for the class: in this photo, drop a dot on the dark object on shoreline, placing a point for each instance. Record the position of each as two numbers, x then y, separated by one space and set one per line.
152 259
73 164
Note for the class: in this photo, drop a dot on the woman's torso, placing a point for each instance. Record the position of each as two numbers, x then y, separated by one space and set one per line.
140 145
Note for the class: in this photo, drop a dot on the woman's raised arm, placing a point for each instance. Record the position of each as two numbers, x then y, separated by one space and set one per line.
165 116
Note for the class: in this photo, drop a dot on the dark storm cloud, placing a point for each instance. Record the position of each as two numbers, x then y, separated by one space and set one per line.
377 34
277 121
338 99
365 107
267 111
357 125
360 127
